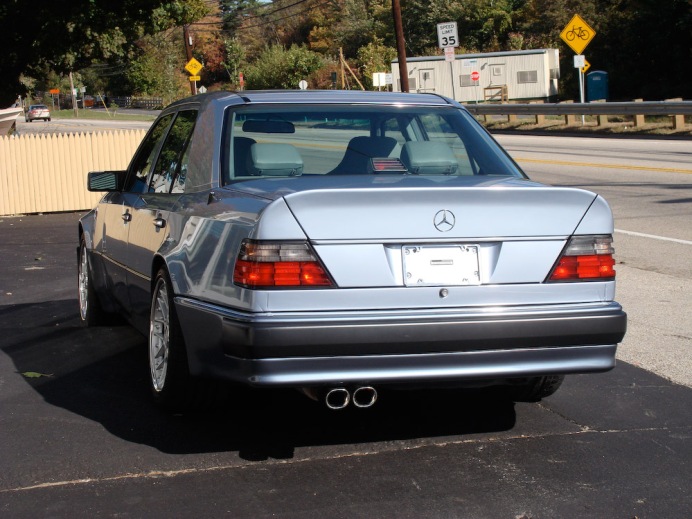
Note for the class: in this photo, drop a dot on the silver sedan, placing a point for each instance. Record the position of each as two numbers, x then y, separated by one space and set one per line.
339 242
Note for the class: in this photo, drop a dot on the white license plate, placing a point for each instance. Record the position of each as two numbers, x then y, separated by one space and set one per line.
428 265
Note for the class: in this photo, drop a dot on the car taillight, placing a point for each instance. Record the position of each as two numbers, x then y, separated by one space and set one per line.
585 258
279 264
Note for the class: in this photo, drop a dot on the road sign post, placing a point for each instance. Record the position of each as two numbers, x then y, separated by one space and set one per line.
577 34
447 39
475 76
193 67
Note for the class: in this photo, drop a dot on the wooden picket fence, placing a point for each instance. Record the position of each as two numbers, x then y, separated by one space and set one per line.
47 172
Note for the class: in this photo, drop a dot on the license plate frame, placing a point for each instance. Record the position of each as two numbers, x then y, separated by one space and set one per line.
441 265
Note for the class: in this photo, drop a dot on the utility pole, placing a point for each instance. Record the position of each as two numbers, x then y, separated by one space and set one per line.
400 45
188 52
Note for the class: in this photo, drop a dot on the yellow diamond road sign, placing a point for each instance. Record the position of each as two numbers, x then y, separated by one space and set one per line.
586 66
193 66
577 34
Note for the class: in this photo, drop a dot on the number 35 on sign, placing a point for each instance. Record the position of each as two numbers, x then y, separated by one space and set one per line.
447 35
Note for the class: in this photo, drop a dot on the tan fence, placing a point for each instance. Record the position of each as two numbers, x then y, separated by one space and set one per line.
47 172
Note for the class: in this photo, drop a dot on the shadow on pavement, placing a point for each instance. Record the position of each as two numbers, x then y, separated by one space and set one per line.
101 374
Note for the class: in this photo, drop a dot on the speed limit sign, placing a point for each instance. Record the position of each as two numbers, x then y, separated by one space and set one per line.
447 35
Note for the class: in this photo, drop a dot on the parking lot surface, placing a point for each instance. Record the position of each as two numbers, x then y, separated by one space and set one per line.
79 436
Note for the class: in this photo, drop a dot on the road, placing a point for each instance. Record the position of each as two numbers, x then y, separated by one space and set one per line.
79 437
79 125
648 184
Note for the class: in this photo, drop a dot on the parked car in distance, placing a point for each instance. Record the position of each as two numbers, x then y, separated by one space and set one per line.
339 242
37 112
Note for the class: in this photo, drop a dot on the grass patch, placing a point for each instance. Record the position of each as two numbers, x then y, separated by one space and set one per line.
101 115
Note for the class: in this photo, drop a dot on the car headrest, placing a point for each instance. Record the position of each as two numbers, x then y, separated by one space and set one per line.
269 127
372 146
274 160
429 158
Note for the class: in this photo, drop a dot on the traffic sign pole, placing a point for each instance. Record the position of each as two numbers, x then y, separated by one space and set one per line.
578 34
581 92
447 39
475 76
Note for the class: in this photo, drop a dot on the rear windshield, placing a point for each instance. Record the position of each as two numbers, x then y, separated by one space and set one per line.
294 140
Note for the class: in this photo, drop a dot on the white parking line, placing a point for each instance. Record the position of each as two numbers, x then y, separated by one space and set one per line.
653 236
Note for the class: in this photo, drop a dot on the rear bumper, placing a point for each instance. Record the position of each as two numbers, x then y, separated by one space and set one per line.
322 348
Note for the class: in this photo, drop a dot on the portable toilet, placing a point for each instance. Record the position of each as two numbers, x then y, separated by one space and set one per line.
597 86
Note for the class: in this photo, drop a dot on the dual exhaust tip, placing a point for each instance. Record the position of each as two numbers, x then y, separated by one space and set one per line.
340 397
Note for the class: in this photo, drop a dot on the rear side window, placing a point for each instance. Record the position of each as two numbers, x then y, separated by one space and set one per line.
139 170
170 171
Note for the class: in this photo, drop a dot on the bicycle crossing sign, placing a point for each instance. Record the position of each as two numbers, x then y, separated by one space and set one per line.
193 66
577 34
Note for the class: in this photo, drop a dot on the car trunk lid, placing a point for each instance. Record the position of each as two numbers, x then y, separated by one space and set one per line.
439 213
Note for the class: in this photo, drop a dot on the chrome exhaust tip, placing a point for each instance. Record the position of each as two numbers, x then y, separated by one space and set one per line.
364 396
337 398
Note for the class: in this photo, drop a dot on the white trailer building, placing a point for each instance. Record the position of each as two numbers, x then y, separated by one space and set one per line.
515 75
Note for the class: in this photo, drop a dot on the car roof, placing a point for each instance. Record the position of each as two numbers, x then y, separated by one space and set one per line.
249 97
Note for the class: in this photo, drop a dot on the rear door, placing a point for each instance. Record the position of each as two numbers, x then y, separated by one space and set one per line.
151 209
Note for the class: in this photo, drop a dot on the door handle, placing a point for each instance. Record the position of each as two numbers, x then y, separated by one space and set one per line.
126 217
159 222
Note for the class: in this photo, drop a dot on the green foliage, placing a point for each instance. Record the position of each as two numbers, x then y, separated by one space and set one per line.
178 12
156 71
235 56
374 57
66 35
277 67
233 12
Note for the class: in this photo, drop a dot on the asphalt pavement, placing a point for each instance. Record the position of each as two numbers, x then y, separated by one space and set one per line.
79 436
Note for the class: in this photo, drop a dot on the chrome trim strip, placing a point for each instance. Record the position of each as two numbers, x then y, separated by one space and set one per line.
492 239
120 265
436 314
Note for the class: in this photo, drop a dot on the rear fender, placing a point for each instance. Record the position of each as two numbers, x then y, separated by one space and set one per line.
597 220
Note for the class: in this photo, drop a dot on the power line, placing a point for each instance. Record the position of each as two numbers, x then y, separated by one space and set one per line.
263 15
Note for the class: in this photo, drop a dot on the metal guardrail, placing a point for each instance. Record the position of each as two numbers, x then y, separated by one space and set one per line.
666 108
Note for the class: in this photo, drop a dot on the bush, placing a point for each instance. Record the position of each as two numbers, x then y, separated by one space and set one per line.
277 67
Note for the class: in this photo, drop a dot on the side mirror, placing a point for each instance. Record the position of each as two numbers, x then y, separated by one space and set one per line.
106 180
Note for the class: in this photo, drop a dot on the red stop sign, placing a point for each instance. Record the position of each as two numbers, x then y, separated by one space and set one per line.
475 76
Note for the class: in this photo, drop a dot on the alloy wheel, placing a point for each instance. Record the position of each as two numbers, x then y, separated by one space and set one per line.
159 336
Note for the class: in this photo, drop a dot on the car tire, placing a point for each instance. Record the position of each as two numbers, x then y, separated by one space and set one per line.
90 310
172 386
535 389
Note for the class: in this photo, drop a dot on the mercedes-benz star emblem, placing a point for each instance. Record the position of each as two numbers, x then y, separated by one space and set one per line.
444 220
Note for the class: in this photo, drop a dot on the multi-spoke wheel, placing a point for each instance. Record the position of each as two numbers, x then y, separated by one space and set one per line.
89 307
159 336
170 376
171 383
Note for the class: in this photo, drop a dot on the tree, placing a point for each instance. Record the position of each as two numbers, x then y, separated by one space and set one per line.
67 35
645 46
156 71
235 57
375 57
